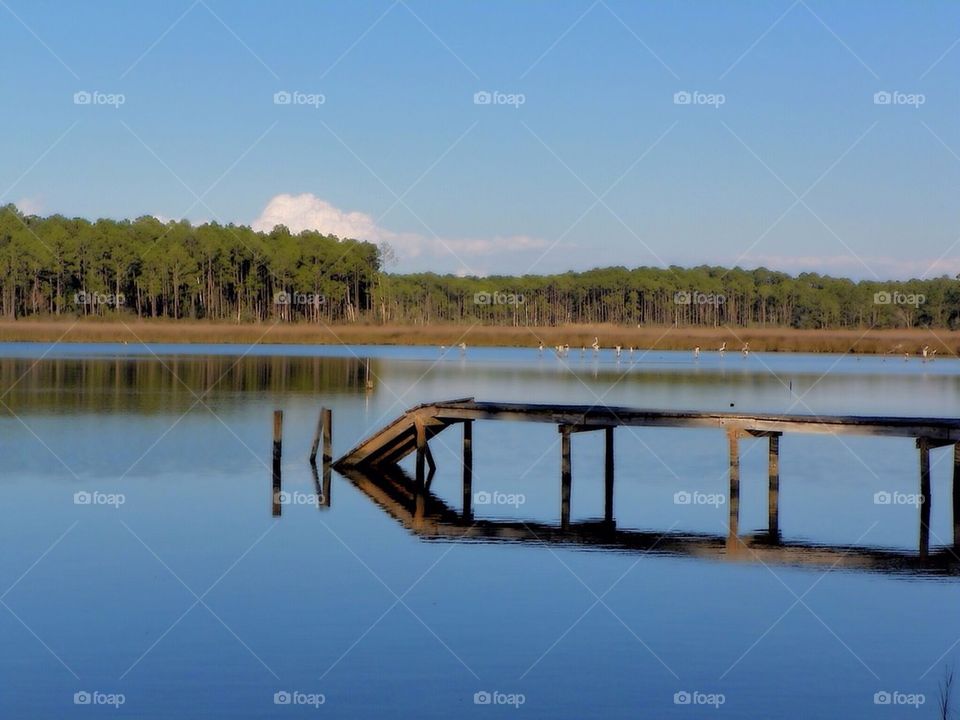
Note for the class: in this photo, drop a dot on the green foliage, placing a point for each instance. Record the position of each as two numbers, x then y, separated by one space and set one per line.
70 266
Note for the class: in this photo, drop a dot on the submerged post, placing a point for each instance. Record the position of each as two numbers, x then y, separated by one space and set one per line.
277 452
608 476
733 439
773 497
566 476
924 445
467 469
327 418
316 438
421 448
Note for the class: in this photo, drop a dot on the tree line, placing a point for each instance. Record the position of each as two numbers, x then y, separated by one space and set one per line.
59 266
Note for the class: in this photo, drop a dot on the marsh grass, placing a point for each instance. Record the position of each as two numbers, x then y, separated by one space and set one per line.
898 342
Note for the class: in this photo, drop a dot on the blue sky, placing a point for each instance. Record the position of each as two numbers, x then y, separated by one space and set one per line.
783 158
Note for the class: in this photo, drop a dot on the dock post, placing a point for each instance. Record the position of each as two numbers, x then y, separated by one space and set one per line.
956 496
773 498
733 527
327 415
566 476
924 445
421 448
316 438
468 469
608 477
277 453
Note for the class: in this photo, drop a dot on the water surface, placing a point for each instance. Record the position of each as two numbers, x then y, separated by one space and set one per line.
178 588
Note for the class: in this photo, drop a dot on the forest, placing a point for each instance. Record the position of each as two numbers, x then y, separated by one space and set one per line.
57 266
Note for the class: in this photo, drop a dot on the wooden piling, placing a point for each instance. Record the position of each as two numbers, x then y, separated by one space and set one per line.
421 449
327 418
566 476
924 445
277 454
733 527
316 438
773 493
608 476
468 469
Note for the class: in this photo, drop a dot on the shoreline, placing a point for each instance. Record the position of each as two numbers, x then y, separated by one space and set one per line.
866 341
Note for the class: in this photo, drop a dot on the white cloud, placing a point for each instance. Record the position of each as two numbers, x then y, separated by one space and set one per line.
308 212
30 205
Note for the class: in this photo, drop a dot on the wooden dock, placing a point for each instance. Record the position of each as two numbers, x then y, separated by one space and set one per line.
412 432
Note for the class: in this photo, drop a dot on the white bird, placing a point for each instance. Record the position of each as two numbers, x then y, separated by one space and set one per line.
924 351
596 344
933 354
463 348
541 347
723 349
618 352
746 349
696 353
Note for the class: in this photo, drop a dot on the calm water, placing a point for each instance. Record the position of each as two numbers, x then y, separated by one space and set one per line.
178 588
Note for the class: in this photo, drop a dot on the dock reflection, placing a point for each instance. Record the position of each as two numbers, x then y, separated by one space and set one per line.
423 513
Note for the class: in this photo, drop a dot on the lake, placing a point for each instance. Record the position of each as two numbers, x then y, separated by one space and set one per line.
147 574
